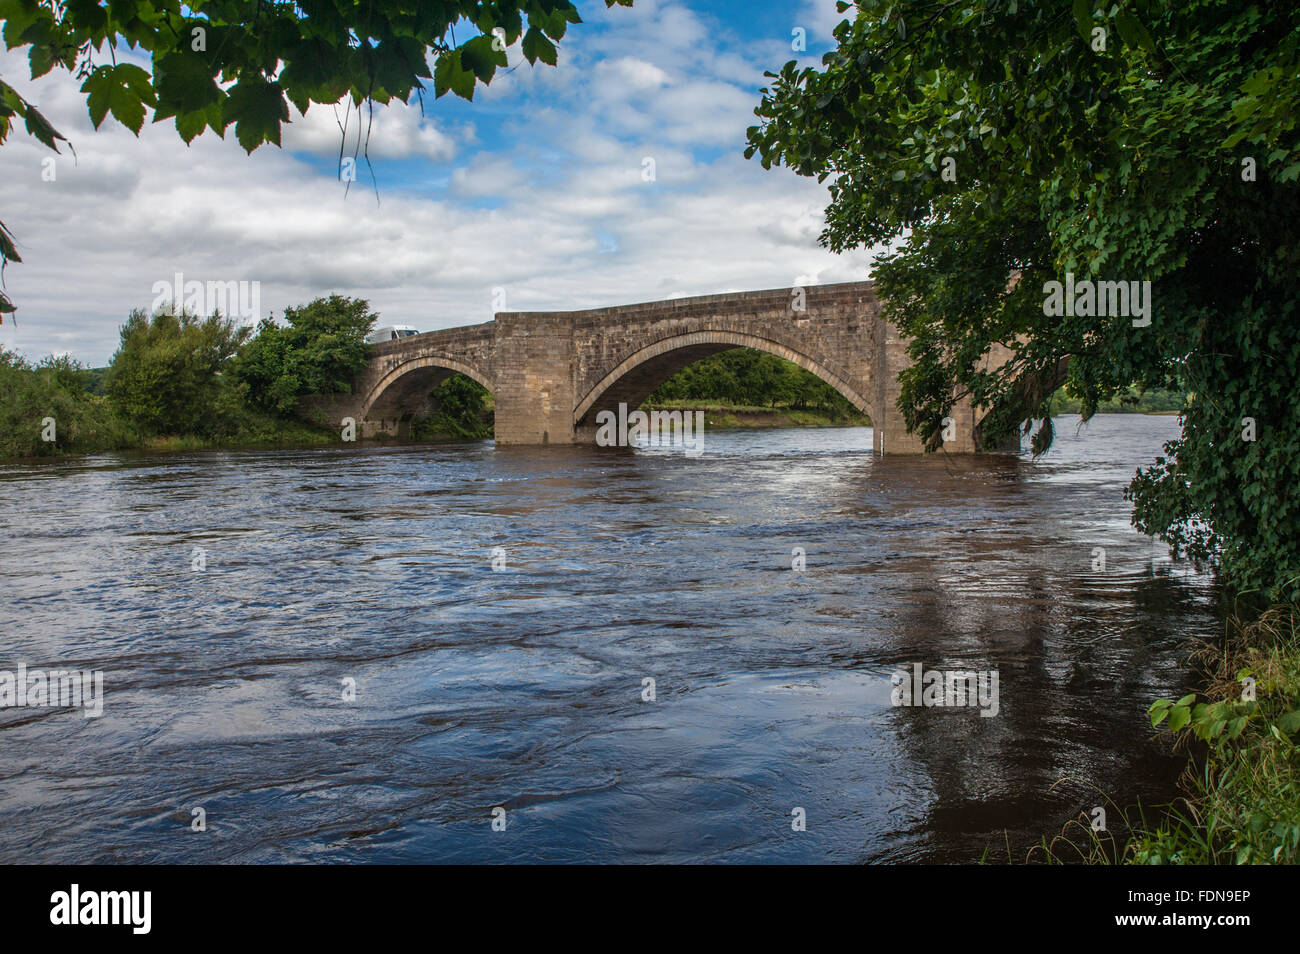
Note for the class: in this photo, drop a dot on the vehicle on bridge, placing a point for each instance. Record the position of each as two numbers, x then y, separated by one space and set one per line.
390 333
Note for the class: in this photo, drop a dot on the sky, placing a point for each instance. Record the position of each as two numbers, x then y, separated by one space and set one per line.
532 198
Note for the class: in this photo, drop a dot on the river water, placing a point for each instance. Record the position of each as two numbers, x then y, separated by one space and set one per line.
523 686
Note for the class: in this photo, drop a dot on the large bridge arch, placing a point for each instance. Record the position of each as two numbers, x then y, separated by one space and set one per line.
633 379
401 393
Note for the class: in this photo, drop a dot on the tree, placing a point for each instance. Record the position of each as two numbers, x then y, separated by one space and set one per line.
462 410
50 407
1134 142
166 377
321 350
217 63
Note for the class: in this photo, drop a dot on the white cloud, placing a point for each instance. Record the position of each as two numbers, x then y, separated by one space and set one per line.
820 18
631 73
397 131
543 195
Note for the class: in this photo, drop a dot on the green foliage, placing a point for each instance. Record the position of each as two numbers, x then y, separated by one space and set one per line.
218 63
1245 807
748 377
57 388
14 106
175 383
167 375
321 350
1130 401
1124 163
464 412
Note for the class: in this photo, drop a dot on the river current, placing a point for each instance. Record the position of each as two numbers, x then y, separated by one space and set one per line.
358 653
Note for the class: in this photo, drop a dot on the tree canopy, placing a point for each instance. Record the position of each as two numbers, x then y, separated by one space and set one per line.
218 63
321 350
1130 142
167 376
751 378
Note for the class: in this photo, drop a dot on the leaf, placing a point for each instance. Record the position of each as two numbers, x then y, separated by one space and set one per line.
185 84
40 127
1132 32
41 59
98 88
1083 18
257 107
7 248
190 125
1290 723
448 74
17 18
538 47
124 89
90 15
478 56
1179 716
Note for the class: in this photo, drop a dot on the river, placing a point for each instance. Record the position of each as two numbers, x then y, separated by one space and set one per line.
233 599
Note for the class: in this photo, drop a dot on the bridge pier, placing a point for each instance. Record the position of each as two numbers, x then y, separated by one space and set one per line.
534 379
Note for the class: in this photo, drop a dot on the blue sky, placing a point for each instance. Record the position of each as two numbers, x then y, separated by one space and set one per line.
535 191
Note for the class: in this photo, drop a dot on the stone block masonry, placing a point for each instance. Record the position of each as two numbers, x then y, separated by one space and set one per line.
553 372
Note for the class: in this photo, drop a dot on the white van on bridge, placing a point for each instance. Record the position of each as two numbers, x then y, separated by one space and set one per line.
390 333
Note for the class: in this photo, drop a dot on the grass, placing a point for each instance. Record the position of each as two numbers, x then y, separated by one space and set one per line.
1241 801
1132 402
260 431
724 415
1244 801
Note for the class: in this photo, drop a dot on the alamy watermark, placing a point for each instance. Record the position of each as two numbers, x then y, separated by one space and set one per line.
684 429
234 299
947 687
1087 298
36 688
75 906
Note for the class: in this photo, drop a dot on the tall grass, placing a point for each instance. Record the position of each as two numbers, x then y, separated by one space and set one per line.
1241 802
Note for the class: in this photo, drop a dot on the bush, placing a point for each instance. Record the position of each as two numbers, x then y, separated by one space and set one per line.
166 377
463 412
749 378
57 388
1244 807
321 350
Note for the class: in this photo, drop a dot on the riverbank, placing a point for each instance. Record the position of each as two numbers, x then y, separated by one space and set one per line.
1241 787
94 429
1132 402
739 416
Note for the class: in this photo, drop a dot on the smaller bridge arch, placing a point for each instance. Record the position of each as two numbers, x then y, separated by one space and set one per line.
399 395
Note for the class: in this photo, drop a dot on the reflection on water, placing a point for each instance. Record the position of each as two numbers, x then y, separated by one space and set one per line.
523 687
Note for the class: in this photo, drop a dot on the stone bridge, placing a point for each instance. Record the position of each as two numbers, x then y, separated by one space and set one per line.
552 372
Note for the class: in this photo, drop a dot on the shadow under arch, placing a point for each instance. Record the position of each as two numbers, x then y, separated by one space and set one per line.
637 375
404 391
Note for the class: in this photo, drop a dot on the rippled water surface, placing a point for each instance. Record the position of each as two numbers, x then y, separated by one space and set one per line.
522 687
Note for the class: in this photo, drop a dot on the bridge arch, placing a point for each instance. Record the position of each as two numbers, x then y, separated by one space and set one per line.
633 379
391 403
